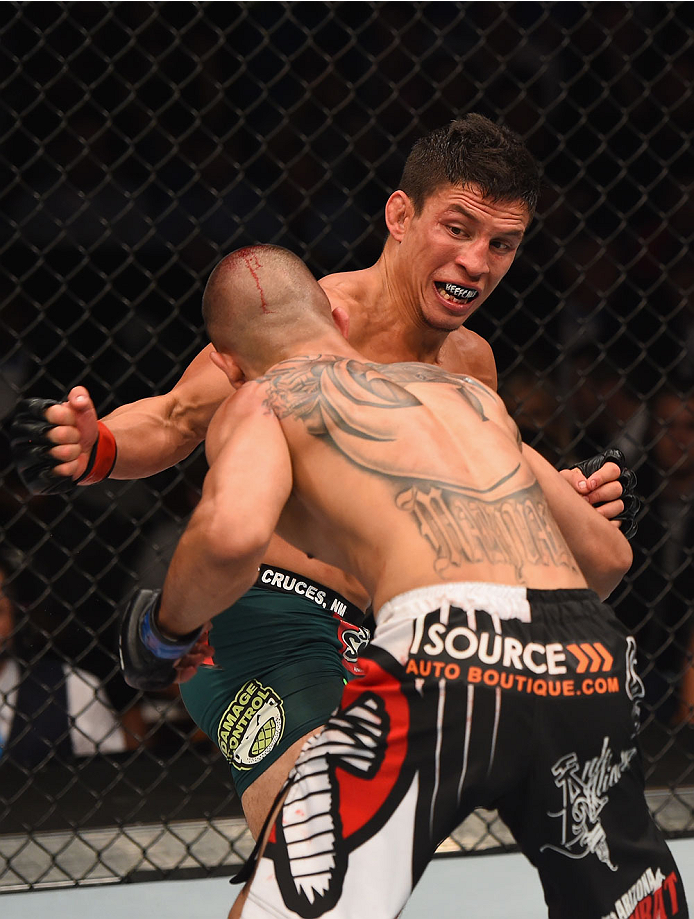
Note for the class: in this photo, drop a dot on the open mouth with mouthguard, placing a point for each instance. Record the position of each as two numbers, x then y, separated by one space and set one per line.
455 293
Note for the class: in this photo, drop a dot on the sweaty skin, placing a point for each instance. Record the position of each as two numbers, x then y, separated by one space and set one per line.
465 508
394 311
401 475
341 441
399 309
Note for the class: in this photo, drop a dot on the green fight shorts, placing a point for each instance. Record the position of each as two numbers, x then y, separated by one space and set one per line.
282 655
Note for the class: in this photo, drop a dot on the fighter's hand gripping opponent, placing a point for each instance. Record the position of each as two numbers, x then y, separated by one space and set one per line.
148 657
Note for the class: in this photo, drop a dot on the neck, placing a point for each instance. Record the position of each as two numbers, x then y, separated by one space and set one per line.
323 345
388 326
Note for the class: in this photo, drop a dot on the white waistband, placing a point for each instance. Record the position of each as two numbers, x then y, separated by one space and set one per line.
502 600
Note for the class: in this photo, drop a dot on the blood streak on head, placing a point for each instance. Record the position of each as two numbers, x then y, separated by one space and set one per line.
249 258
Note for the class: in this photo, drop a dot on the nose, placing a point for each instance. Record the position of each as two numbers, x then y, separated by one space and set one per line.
473 257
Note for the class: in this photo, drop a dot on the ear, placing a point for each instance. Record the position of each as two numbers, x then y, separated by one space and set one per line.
229 367
399 211
341 320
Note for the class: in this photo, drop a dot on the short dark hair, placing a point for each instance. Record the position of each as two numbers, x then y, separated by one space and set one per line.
472 151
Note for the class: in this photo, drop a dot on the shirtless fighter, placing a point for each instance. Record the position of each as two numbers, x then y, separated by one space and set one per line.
467 195
484 567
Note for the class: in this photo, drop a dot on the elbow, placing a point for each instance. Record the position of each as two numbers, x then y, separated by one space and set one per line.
242 546
229 543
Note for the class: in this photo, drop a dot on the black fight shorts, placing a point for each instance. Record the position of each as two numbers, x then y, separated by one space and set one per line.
476 695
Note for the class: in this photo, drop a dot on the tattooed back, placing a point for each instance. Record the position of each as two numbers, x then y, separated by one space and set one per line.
405 475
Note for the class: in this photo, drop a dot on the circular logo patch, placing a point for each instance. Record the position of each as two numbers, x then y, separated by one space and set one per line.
251 726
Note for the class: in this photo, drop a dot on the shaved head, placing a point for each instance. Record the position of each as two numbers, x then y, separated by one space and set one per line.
260 302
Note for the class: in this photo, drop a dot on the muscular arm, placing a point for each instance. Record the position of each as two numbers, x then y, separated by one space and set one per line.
245 490
155 433
465 352
603 554
151 434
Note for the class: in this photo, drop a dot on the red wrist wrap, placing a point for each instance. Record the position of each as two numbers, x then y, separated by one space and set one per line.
102 458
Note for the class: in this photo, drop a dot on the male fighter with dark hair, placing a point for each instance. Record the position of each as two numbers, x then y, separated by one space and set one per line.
495 677
468 193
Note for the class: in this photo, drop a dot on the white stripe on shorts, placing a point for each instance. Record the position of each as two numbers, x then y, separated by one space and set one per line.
502 600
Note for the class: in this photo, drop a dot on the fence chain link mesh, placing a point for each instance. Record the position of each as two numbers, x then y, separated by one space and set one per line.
142 141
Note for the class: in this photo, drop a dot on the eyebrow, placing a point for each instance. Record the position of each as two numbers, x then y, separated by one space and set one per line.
516 234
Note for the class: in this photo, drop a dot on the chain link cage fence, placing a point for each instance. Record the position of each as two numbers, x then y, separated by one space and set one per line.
142 141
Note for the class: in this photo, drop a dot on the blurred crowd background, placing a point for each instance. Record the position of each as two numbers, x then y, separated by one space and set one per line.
142 141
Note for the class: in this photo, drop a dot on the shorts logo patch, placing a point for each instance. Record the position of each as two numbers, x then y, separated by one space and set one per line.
251 726
354 640
480 655
652 895
585 792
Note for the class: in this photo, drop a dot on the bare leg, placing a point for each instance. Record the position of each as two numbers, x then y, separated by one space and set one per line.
258 798
256 801
240 901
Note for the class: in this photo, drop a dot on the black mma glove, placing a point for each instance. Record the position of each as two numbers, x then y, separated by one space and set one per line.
146 657
31 448
627 479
